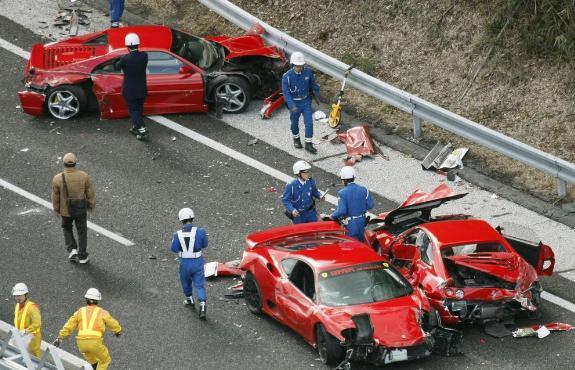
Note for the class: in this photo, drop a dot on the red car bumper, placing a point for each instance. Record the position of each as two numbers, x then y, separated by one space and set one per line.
32 102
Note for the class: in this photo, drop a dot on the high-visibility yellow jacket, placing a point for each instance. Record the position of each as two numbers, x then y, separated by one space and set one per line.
91 322
27 316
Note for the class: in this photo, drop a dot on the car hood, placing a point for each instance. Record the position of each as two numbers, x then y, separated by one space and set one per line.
506 266
247 45
395 322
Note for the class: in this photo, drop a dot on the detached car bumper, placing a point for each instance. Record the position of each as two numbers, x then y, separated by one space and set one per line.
32 102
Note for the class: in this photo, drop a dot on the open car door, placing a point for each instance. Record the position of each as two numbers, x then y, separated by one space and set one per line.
538 255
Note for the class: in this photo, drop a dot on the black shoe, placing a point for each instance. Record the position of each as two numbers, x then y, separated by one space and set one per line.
189 301
309 148
297 143
142 133
202 310
134 131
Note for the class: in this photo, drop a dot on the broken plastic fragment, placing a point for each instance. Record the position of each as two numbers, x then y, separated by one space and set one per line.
25 149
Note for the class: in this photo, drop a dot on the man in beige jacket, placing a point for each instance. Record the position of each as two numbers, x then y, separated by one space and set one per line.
73 186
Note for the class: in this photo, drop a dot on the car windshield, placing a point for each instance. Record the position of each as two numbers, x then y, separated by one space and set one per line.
466 249
203 53
359 284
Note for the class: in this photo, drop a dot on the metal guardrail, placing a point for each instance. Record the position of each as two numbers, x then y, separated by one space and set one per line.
418 108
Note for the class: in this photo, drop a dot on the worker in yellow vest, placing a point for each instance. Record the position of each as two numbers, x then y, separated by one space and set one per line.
91 322
27 318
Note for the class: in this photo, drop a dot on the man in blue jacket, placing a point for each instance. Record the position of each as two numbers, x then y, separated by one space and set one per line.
134 87
354 201
188 243
298 85
298 195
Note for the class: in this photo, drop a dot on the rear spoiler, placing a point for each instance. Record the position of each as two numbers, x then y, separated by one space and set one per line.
282 232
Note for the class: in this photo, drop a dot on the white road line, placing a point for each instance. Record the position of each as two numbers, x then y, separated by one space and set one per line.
42 202
240 157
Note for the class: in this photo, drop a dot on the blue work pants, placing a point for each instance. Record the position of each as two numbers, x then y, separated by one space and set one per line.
306 216
136 109
304 107
116 10
192 276
356 228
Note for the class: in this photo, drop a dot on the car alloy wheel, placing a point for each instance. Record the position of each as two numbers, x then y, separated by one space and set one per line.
234 94
66 102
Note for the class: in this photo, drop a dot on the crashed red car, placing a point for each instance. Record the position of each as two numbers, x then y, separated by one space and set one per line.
469 270
185 73
341 296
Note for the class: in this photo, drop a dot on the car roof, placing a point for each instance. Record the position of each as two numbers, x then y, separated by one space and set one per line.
454 232
152 36
348 253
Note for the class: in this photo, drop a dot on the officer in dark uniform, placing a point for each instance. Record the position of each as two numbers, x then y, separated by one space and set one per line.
134 87
298 84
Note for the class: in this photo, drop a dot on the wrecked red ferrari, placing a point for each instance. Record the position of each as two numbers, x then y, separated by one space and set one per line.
341 296
185 73
469 270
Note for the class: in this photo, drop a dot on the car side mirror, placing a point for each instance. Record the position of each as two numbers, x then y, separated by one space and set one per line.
185 70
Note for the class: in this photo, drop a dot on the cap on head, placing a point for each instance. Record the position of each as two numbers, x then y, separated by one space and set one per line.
70 158
20 289
300 166
347 173
297 59
93 294
185 214
132 39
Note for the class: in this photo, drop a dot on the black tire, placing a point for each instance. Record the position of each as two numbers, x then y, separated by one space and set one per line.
252 294
330 350
66 101
234 93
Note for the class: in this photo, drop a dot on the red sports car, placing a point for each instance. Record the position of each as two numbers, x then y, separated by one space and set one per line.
185 73
469 270
341 296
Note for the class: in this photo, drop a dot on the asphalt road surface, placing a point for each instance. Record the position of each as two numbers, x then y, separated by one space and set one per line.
140 187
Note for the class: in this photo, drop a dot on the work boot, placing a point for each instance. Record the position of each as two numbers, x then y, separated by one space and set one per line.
309 148
297 143
73 253
134 130
142 134
189 301
202 310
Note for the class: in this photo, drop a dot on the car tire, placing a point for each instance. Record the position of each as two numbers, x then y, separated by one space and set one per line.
234 93
252 294
66 101
330 350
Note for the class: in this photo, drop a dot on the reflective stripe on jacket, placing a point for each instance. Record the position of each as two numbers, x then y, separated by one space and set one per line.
89 328
28 317
91 322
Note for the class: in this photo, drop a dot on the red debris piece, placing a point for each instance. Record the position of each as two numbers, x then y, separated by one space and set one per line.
271 189
271 104
482 341
555 326
358 143
230 268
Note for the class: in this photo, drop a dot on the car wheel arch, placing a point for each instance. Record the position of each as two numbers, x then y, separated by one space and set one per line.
240 81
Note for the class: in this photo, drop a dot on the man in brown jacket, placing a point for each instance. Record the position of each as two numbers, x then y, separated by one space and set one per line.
73 184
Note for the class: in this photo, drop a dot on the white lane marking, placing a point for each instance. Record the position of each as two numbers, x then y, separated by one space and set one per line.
42 202
14 49
558 301
233 154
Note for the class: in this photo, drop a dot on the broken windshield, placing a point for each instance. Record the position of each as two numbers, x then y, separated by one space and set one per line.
203 53
366 283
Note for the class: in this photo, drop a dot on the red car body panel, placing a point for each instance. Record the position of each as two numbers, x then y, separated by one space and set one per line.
327 250
74 60
507 275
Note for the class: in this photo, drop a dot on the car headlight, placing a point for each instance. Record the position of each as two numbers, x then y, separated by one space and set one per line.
459 294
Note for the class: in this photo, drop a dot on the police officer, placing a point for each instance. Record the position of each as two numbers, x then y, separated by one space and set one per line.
188 243
134 87
354 201
91 322
27 318
298 85
299 193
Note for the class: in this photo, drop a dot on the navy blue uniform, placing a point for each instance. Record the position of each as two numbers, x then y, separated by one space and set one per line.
116 11
297 89
134 86
299 195
188 243
354 201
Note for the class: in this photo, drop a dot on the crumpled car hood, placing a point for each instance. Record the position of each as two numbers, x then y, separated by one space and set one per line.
245 46
506 266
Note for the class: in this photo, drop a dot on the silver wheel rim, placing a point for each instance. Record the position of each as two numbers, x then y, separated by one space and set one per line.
63 104
232 95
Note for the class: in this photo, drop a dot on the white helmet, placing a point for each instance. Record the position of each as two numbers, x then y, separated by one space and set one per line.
300 166
347 173
132 39
297 59
185 214
20 289
94 294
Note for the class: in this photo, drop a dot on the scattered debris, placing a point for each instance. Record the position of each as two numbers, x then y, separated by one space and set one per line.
494 196
497 329
25 149
443 157
272 103
173 138
271 189
253 142
358 143
229 268
541 331
152 257
54 129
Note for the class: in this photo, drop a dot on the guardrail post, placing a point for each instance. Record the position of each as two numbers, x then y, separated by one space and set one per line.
417 133
561 188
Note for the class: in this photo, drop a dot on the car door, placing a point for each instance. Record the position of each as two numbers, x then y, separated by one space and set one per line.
107 87
174 86
296 297
538 255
